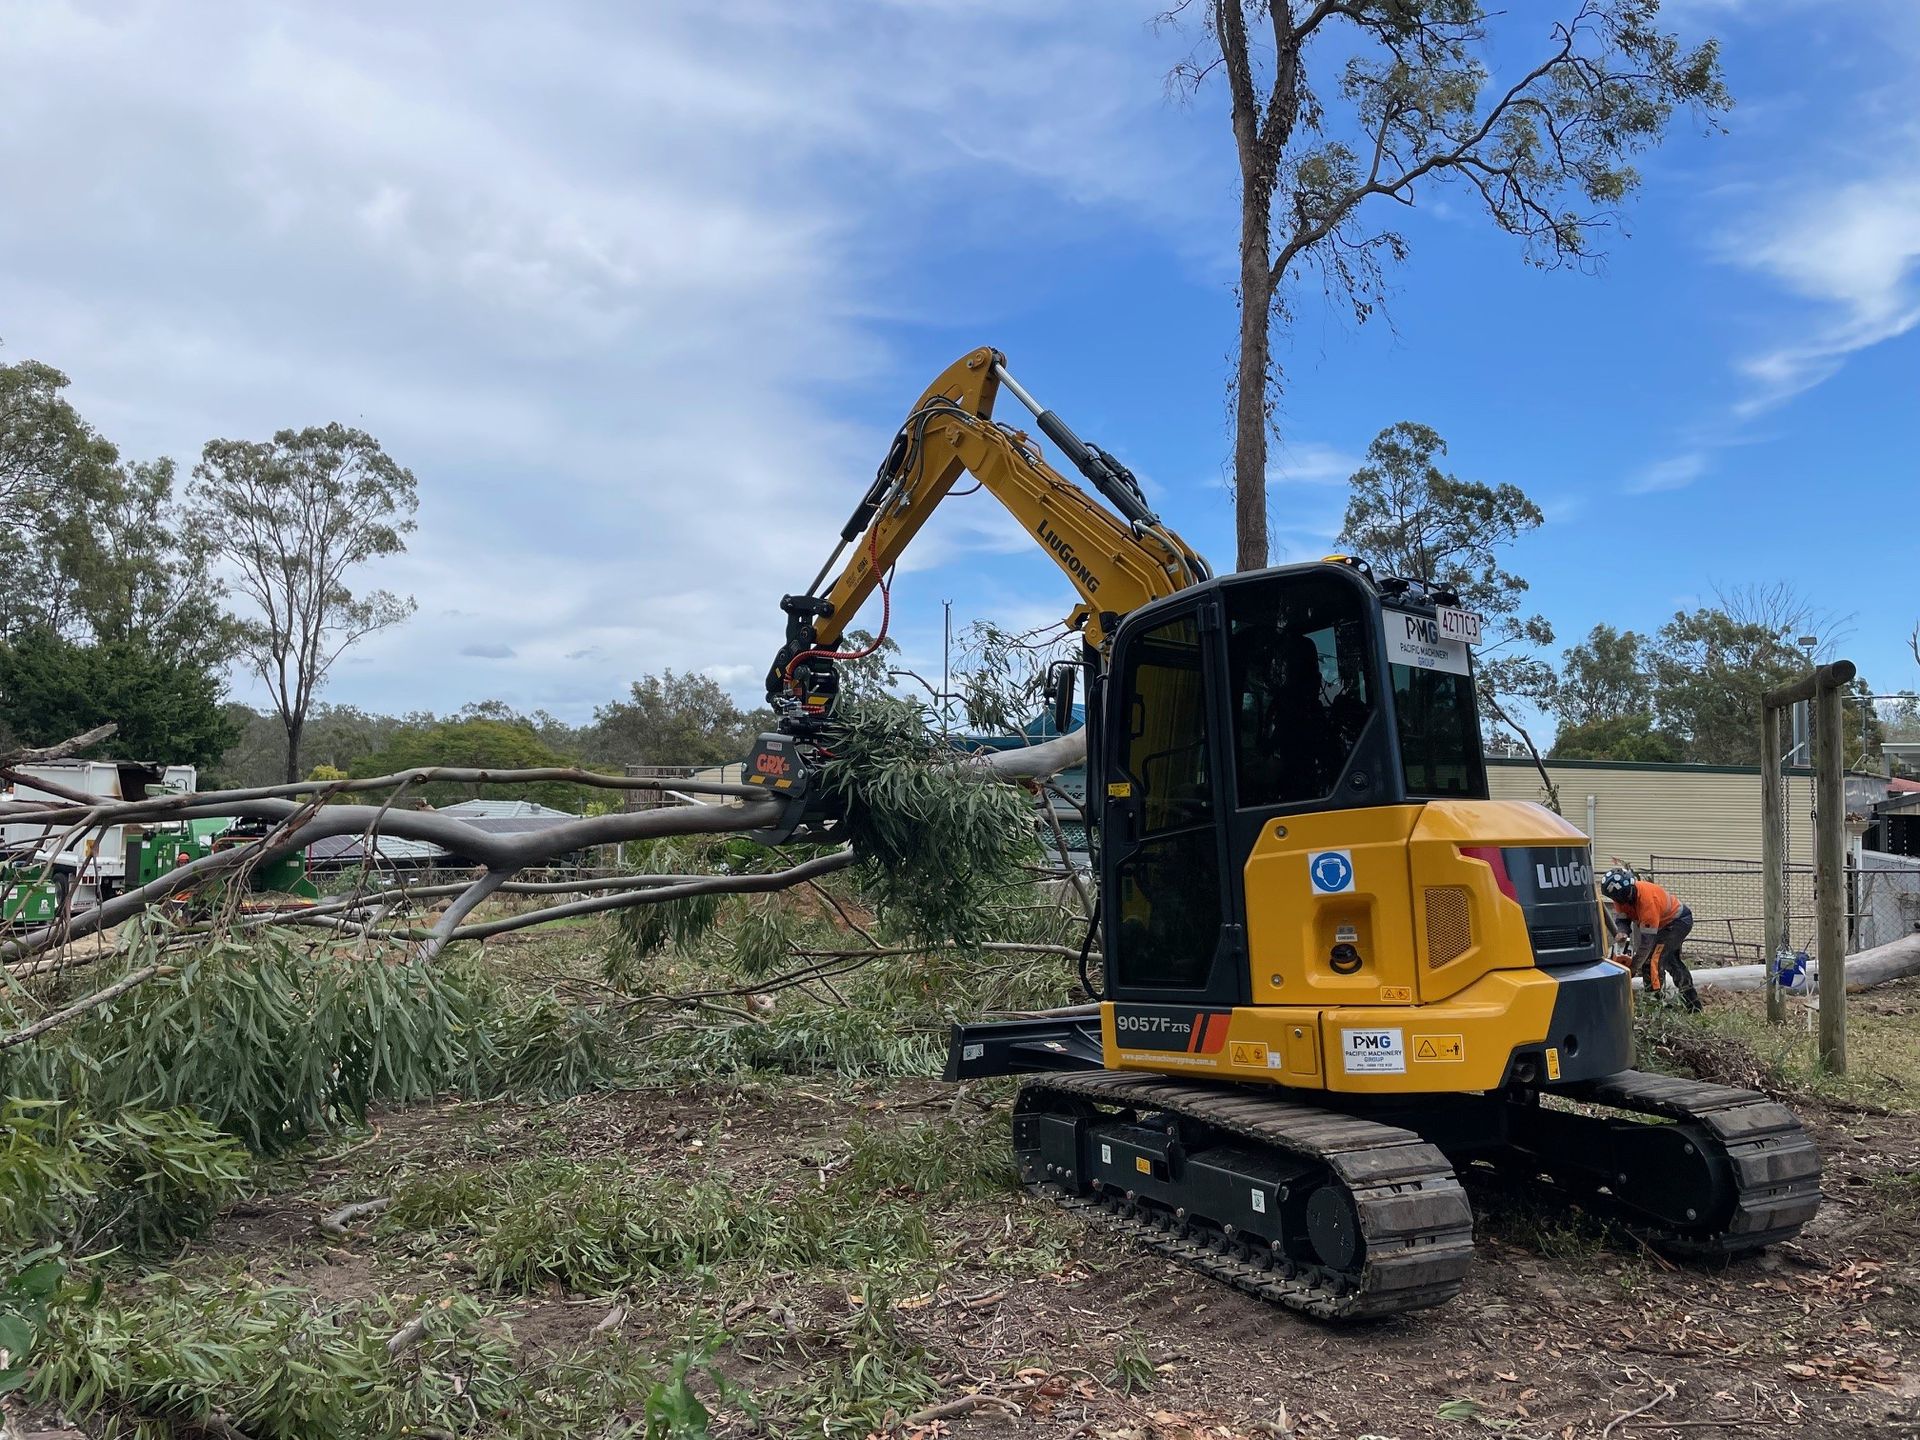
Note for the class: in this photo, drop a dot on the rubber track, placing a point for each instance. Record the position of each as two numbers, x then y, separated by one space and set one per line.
1414 1215
1774 1163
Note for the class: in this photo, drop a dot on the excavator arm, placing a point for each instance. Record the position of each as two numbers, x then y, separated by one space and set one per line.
1115 558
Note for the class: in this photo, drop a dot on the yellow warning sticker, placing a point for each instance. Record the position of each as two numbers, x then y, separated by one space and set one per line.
1249 1052
1397 994
1439 1047
1119 789
1143 1165
1553 1064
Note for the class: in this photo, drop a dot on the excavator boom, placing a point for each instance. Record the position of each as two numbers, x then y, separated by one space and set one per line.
1116 559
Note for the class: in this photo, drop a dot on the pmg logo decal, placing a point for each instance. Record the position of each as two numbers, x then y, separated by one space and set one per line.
1076 567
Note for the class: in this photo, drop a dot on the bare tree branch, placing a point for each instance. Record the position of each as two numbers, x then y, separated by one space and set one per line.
58 752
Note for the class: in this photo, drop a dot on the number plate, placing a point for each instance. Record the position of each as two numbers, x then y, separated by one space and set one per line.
1461 625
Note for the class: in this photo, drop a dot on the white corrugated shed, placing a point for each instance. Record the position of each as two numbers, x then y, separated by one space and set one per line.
1639 811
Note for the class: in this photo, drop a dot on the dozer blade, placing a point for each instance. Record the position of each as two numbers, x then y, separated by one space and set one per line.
1329 1214
1694 1169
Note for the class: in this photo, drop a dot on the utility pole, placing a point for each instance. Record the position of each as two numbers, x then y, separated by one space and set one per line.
946 661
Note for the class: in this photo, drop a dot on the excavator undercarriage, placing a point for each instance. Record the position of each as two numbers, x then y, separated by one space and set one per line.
1358 1211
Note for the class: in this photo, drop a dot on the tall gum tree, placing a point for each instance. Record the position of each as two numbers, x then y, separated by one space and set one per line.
294 518
1406 100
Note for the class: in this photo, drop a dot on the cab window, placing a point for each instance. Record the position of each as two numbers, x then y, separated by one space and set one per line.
1299 661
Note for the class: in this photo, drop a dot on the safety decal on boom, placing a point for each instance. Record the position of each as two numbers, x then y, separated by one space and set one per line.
1373 1052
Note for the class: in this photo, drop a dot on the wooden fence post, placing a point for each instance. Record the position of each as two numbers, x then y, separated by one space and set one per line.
1830 849
1772 859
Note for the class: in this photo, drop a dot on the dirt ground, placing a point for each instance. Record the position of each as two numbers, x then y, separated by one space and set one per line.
1037 1325
1563 1330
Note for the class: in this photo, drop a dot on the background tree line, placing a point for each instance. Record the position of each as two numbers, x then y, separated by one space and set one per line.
114 591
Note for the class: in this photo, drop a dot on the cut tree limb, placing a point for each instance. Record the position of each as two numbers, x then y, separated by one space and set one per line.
335 1222
80 1007
1865 969
61 751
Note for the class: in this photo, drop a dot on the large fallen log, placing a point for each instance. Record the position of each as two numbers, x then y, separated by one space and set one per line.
1865 969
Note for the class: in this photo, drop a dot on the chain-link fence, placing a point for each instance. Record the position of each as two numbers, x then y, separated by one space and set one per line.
1728 900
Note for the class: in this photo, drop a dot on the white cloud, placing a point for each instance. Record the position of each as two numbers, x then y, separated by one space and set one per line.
1676 472
1309 462
1851 249
604 276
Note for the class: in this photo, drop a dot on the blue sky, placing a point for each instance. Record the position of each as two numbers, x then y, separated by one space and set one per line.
641 292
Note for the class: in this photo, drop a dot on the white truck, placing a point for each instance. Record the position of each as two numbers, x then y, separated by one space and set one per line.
92 866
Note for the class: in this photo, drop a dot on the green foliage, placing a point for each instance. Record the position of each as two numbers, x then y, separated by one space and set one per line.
537 1047
167 707
476 744
936 847
28 1286
600 1226
1407 516
673 1409
857 1044
643 931
671 719
1133 1369
1604 679
54 470
1625 737
134 1178
272 1363
973 1162
267 1041
1710 668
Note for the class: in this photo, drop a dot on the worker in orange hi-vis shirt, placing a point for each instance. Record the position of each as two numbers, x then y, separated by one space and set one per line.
1661 925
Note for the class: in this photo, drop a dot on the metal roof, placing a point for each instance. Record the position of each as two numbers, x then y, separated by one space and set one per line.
351 849
505 810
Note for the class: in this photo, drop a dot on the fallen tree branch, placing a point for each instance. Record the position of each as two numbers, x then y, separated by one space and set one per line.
408 1335
506 853
961 1405
81 1007
695 885
61 751
335 1222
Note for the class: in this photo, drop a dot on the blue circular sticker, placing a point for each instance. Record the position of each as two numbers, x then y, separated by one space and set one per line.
1332 871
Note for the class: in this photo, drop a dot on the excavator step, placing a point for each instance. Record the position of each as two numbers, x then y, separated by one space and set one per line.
1350 1219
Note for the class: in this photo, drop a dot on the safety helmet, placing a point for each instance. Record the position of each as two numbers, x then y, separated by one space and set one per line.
1618 884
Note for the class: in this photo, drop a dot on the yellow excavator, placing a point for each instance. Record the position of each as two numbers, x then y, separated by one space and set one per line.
1336 976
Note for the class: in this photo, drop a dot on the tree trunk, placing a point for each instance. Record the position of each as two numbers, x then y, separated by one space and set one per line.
1250 386
294 725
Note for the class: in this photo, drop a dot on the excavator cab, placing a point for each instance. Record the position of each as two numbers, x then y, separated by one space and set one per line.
1305 881
1244 703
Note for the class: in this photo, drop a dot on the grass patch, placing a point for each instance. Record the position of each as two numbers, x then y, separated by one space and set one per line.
1731 1043
600 1226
